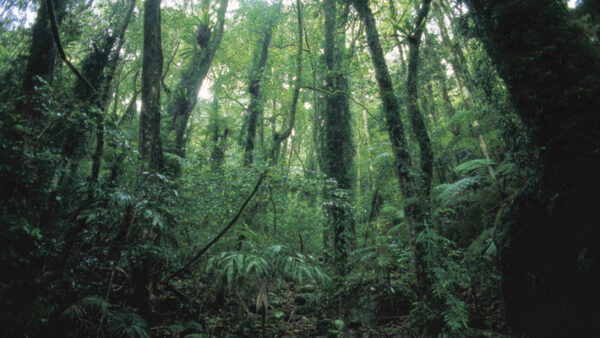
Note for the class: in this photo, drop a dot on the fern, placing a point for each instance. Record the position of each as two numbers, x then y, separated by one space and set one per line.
236 268
86 311
506 169
474 167
449 192
192 325
127 325
176 329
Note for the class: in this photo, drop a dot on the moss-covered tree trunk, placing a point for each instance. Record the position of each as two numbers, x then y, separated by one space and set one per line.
186 91
414 209
254 88
106 88
412 102
338 152
42 55
40 65
549 251
150 144
217 130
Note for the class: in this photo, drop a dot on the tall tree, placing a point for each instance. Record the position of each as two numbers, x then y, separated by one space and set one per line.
254 88
549 251
415 116
338 152
413 208
150 144
106 90
186 91
40 63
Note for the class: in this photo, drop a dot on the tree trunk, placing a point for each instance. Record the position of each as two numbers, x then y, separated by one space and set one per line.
338 152
42 56
549 251
219 138
414 216
256 75
105 93
186 91
150 144
415 116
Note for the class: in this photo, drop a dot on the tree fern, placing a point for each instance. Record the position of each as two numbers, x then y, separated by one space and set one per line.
448 193
474 167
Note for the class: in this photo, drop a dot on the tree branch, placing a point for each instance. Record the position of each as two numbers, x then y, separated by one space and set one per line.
61 51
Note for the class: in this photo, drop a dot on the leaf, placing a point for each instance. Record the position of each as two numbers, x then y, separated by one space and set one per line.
450 192
473 167
230 269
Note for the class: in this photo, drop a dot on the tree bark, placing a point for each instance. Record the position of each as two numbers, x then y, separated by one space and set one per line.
105 93
42 54
256 75
414 216
338 152
186 91
415 116
549 255
150 144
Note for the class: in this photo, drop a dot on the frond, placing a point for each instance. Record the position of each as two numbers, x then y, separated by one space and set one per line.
127 325
473 167
449 193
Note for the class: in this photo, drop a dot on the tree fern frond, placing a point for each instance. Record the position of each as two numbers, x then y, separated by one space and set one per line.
451 191
473 167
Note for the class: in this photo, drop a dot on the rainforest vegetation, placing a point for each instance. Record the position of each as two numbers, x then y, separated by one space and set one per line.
328 168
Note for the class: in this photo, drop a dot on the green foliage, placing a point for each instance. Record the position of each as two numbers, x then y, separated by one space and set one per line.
127 325
450 193
472 167
93 313
449 278
276 262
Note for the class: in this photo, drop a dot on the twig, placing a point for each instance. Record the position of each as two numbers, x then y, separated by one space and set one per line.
234 100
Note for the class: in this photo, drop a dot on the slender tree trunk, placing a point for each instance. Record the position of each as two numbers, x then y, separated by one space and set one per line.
549 251
256 76
106 92
131 109
415 116
219 133
150 144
